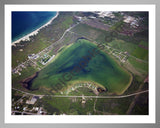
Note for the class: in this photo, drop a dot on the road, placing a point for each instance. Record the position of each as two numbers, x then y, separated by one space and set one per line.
67 30
111 48
131 106
121 96
27 92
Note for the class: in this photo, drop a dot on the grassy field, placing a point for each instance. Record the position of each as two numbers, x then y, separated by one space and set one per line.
140 53
90 32
69 106
74 106
24 74
135 45
101 69
114 106
140 66
131 48
142 105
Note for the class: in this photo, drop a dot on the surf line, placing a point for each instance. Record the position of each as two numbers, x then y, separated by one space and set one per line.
35 32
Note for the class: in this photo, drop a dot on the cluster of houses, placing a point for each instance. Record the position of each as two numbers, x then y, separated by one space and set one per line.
131 20
18 69
33 56
34 110
33 100
105 14
88 85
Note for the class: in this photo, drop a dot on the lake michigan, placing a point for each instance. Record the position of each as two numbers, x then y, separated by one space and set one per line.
26 22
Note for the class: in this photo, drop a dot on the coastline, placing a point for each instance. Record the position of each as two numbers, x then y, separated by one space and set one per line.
35 32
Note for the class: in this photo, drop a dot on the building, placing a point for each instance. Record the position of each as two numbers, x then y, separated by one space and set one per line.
31 56
33 100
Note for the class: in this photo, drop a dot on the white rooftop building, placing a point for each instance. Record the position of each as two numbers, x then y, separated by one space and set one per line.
106 14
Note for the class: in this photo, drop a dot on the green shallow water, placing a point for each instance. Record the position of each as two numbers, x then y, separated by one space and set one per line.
101 68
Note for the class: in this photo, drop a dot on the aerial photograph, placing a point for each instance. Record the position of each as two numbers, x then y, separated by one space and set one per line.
80 63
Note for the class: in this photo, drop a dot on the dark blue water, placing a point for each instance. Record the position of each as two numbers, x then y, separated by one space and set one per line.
24 23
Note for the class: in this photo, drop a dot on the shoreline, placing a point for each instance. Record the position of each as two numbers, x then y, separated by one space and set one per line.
35 32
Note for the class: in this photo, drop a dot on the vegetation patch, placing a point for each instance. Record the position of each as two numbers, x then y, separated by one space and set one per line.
101 68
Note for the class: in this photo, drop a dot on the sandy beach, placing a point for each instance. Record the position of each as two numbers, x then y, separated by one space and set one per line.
26 37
